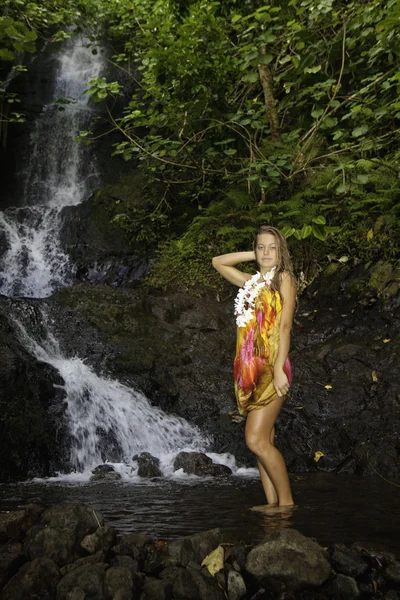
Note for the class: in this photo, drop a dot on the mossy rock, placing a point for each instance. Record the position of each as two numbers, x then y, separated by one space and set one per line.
381 275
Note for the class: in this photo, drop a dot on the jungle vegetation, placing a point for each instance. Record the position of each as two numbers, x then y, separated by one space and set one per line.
241 113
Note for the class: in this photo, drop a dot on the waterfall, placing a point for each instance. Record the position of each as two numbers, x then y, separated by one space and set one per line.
109 421
60 173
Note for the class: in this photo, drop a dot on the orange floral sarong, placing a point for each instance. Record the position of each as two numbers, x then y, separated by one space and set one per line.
256 350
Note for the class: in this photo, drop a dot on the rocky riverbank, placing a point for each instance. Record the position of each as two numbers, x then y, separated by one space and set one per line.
67 552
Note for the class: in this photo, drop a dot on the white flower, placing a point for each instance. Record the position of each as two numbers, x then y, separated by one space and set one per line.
246 296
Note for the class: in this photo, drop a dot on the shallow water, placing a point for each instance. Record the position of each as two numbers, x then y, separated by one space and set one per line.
332 508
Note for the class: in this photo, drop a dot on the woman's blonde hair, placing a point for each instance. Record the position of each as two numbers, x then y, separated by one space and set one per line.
284 260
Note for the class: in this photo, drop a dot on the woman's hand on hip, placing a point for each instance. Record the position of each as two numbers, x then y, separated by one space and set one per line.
281 382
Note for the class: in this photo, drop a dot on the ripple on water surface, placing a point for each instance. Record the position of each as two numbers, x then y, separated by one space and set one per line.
332 508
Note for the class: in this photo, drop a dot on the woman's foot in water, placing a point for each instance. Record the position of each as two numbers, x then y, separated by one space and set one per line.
274 508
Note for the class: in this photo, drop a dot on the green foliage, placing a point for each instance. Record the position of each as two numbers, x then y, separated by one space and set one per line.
207 78
200 109
100 89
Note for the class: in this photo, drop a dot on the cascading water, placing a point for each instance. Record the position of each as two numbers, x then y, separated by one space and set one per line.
59 174
108 420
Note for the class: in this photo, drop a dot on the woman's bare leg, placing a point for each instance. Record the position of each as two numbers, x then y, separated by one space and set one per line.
270 491
259 427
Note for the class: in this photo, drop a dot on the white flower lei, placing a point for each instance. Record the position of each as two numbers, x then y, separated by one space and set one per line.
246 297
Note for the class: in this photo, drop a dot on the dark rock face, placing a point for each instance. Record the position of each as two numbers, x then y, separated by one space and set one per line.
33 434
197 463
148 465
101 251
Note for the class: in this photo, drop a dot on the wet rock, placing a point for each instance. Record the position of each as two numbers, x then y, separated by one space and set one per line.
60 531
149 466
88 578
236 586
107 476
197 463
14 524
157 589
169 573
127 546
180 552
120 580
11 559
289 559
103 538
36 579
76 594
391 595
347 562
236 556
392 574
93 559
196 584
125 561
374 553
343 588
103 469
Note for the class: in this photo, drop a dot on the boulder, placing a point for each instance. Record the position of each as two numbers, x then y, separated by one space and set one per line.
197 463
157 589
93 559
149 466
288 560
120 580
60 532
236 587
88 578
392 574
12 558
103 469
343 588
196 584
127 562
15 523
236 556
347 562
102 539
180 552
36 579
107 476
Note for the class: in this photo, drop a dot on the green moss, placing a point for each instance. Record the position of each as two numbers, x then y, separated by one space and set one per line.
381 274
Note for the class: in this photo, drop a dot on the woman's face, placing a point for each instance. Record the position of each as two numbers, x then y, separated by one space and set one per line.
266 252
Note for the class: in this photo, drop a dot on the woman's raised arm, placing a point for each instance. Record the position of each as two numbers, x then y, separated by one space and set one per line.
225 265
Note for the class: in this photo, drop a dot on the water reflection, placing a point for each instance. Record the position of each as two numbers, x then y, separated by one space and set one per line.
331 508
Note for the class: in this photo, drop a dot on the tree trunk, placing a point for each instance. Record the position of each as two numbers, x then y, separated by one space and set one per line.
268 89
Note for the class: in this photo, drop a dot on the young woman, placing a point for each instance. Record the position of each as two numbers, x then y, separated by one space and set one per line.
264 310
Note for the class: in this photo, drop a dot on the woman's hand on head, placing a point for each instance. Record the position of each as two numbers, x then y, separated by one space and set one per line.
281 383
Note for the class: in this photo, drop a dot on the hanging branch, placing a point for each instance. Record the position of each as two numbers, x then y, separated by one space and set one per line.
267 83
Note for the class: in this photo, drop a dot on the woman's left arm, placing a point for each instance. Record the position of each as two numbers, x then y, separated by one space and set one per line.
288 293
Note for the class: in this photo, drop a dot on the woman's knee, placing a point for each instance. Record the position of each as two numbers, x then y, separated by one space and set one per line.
258 444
